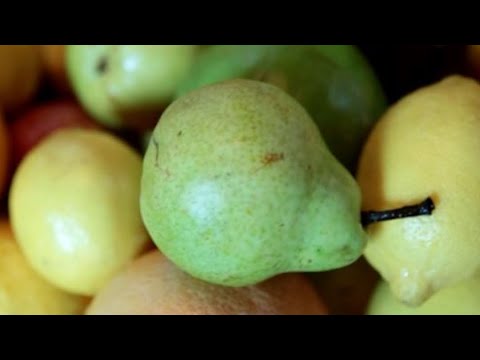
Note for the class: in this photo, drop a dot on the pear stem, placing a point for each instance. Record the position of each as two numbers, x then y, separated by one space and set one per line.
426 207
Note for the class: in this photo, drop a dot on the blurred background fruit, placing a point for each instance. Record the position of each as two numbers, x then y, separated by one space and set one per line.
153 285
127 86
472 54
5 155
404 68
53 60
20 75
40 120
74 208
23 291
335 84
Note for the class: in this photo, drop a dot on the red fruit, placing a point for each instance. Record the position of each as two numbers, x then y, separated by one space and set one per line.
36 123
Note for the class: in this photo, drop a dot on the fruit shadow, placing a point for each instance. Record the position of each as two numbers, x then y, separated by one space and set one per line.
347 290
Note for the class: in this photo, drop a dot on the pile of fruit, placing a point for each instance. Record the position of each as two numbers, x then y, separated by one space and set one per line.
236 179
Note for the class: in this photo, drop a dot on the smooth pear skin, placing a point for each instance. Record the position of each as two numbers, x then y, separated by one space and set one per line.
238 186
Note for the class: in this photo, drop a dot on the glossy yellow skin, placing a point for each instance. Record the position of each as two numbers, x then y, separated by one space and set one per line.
75 209
20 74
23 291
428 144
462 299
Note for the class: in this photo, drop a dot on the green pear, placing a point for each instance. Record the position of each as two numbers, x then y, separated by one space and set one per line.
238 186
334 83
127 86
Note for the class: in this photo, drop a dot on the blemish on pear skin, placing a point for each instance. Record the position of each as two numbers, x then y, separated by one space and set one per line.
167 173
102 65
271 158
179 133
155 143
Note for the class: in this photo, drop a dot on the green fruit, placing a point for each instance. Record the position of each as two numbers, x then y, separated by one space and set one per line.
238 186
334 83
127 85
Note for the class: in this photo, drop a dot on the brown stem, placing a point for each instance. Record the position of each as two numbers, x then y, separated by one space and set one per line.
426 207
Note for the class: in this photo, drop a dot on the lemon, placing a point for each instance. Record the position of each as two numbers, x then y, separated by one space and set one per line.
74 205
427 144
23 291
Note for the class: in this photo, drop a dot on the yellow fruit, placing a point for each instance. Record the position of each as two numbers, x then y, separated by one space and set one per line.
462 299
428 144
23 291
20 74
75 210
154 285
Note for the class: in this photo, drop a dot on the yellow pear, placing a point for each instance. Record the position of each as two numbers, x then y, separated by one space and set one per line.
425 145
23 291
461 299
